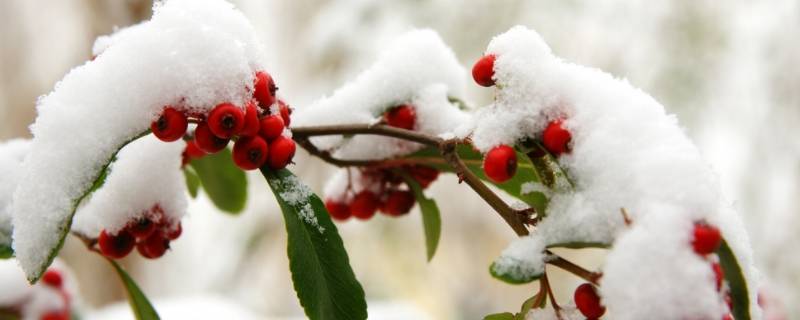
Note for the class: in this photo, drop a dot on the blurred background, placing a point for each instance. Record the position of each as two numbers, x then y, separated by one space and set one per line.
729 72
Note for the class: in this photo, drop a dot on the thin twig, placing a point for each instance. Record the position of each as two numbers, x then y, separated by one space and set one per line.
556 308
573 268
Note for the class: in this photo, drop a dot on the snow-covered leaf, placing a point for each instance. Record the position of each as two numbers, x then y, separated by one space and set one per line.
500 316
431 219
321 272
512 279
736 282
192 181
141 306
224 183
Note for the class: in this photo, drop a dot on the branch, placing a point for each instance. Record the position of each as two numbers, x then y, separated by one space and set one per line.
373 129
573 268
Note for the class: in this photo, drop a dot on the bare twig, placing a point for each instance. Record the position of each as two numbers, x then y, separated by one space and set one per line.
573 268
556 308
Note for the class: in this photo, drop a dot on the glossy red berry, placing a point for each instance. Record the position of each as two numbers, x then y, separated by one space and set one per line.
271 127
402 116
706 238
718 275
170 126
174 232
250 152
251 123
500 163
55 315
398 202
116 246
588 301
727 317
424 175
264 89
555 138
207 141
226 120
52 278
154 246
338 210
192 151
141 228
483 71
364 205
281 152
285 112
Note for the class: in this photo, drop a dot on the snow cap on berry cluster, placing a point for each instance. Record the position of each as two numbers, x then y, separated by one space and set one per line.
417 69
626 153
193 55
12 153
34 301
147 173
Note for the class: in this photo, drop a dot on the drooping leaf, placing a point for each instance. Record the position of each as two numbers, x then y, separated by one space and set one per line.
431 219
738 286
6 251
224 183
500 316
323 279
141 307
192 181
508 278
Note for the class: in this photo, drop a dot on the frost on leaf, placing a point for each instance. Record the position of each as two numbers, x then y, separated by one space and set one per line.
523 261
191 54
297 195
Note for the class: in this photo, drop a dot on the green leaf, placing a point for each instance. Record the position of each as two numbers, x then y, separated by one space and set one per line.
736 282
321 272
192 181
500 316
530 304
142 308
507 278
6 251
579 245
431 219
224 183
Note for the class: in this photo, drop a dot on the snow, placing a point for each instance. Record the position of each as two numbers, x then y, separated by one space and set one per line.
147 173
297 195
627 153
568 312
418 69
191 54
33 301
523 259
11 154
188 307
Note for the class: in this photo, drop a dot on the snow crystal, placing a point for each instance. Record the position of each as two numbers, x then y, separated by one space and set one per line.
147 173
192 54
534 187
523 259
627 153
12 153
297 195
418 69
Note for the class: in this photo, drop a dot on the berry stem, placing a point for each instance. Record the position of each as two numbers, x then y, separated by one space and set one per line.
573 268
546 283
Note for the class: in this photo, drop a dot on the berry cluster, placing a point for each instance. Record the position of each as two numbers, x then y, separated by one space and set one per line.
53 279
706 240
379 190
150 234
500 163
588 301
257 129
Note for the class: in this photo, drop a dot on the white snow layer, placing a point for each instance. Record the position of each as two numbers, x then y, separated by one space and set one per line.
417 69
147 173
192 54
33 301
524 258
12 153
627 152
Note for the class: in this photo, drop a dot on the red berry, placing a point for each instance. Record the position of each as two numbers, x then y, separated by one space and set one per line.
718 275
706 238
424 175
116 246
727 317
337 210
52 278
398 202
264 89
364 205
207 141
483 71
555 138
226 120
285 112
500 163
192 151
271 127
55 315
250 152
141 228
170 126
251 122
175 232
154 246
588 301
281 152
402 116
